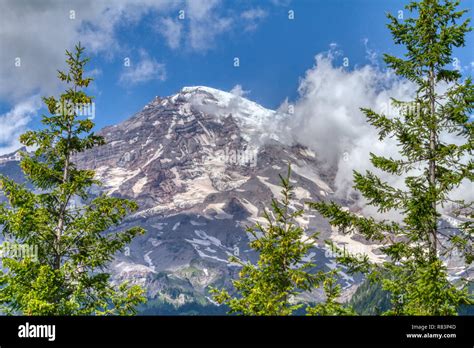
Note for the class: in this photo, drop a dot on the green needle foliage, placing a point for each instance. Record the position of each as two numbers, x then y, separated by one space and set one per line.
272 285
331 305
431 167
68 227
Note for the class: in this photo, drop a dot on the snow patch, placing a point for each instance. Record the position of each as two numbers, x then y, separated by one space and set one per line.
218 208
276 190
308 174
301 193
354 247
138 187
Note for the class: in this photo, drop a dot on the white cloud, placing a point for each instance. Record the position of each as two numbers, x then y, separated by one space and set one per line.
239 91
327 115
171 29
146 69
205 23
327 119
370 53
51 28
253 17
94 72
253 14
14 123
280 2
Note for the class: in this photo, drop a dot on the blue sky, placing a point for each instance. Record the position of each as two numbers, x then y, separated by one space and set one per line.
274 51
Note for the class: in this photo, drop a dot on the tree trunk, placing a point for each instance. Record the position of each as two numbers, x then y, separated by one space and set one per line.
432 165
62 211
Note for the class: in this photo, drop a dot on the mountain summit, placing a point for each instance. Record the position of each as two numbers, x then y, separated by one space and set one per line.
201 164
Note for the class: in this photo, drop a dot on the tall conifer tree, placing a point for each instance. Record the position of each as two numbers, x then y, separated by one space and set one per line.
431 165
272 285
69 228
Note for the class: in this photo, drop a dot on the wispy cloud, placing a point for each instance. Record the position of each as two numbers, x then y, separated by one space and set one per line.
280 2
205 23
202 22
144 70
171 29
14 122
239 91
253 17
370 53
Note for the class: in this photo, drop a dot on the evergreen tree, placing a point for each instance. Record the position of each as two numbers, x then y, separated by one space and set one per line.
74 244
272 285
370 299
331 305
431 166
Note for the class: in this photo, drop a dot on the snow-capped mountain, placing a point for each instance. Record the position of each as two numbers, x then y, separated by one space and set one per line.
202 164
